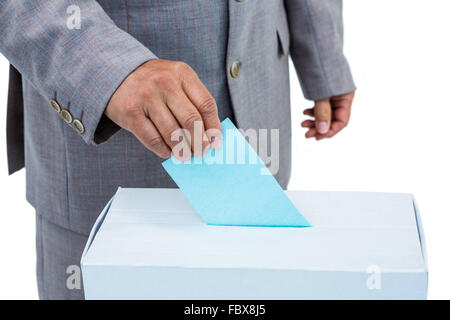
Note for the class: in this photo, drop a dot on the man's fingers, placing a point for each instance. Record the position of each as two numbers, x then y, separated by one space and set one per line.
206 105
309 112
341 117
331 116
166 124
342 114
337 126
308 124
311 133
322 115
148 135
190 119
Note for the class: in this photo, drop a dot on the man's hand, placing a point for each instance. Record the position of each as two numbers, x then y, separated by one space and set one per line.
160 97
330 116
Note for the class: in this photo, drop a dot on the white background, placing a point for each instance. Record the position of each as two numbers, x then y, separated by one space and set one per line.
398 139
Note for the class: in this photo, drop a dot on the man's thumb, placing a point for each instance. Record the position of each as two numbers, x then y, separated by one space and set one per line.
322 115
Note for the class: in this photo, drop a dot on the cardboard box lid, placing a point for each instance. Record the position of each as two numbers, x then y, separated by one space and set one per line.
351 232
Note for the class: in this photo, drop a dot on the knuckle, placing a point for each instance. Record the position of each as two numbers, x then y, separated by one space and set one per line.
165 153
167 132
146 93
161 77
190 120
323 115
181 66
208 106
131 110
156 143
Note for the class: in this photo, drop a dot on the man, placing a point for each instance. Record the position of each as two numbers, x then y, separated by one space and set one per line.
85 69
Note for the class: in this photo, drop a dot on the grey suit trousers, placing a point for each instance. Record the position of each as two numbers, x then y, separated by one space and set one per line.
58 254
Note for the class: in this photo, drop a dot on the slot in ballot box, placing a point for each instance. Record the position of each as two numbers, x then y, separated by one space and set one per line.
151 244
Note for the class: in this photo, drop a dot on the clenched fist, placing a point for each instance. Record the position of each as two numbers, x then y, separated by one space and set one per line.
161 97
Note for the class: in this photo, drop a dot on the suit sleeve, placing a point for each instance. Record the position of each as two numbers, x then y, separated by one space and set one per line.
316 38
80 68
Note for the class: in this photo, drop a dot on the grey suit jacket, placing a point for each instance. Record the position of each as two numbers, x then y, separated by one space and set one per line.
71 173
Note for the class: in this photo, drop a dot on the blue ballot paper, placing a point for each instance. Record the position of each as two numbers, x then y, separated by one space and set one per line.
232 186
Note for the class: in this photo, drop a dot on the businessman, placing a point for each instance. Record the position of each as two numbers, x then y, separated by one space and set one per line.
98 87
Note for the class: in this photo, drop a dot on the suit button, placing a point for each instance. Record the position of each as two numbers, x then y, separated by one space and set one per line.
55 105
78 125
235 68
67 117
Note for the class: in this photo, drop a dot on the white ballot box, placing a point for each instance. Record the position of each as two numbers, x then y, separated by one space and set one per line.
151 244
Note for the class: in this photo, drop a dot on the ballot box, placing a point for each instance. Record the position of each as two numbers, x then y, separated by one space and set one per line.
151 244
